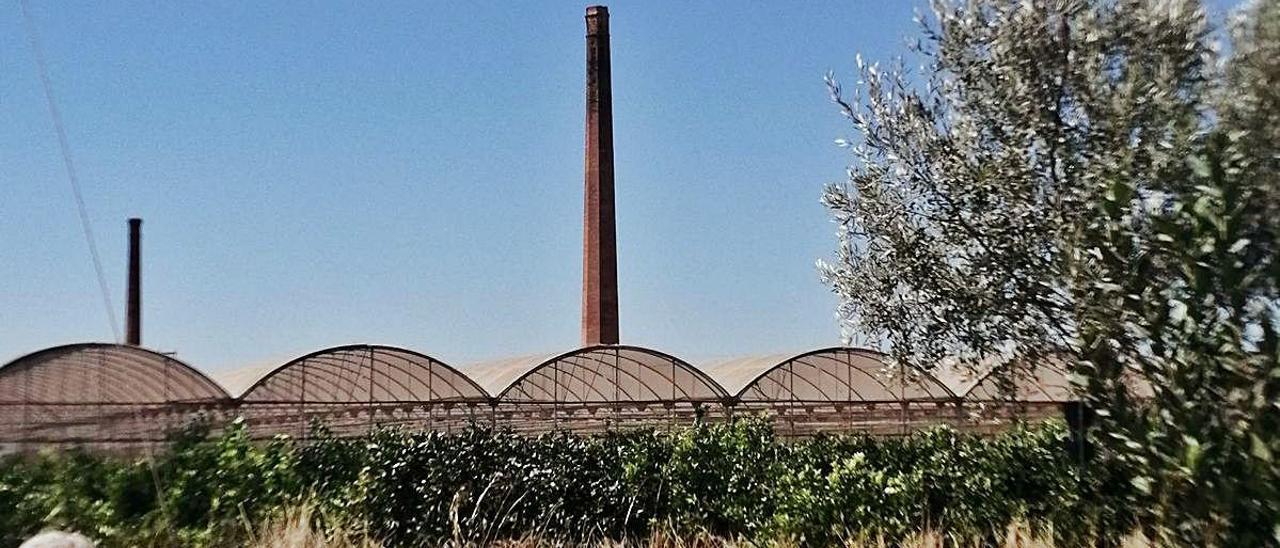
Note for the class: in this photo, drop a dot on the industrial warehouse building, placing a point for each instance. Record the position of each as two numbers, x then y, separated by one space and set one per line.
126 395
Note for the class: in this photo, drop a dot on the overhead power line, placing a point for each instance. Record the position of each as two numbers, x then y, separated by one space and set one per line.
33 38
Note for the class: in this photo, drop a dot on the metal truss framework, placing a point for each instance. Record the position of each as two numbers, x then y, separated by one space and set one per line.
598 374
100 393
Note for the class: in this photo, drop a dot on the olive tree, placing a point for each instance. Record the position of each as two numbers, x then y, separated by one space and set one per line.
1093 182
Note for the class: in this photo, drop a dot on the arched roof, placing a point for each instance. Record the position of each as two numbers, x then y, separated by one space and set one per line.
1049 381
360 373
596 374
836 374
986 380
1045 384
103 373
237 381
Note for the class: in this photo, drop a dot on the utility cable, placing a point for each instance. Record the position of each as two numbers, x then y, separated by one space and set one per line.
33 38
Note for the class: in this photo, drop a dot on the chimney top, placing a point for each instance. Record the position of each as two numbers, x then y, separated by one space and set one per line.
597 20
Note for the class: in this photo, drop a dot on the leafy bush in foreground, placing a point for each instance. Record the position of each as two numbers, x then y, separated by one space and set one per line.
416 488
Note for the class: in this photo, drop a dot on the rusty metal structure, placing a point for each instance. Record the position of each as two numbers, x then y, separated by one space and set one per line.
124 395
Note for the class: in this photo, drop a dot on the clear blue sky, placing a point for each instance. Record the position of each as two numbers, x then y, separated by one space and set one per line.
411 173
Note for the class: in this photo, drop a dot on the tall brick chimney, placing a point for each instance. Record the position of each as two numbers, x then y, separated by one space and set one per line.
133 316
599 246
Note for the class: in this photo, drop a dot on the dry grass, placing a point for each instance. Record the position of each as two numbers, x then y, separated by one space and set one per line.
295 528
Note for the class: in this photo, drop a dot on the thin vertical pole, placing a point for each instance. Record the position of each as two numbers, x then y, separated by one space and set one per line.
371 418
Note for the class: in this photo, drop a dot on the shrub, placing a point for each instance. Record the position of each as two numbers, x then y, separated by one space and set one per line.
734 481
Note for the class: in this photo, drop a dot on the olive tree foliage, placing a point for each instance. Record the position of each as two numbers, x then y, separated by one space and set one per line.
957 220
1094 182
1184 297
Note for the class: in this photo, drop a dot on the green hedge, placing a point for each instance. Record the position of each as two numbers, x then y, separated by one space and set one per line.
735 481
